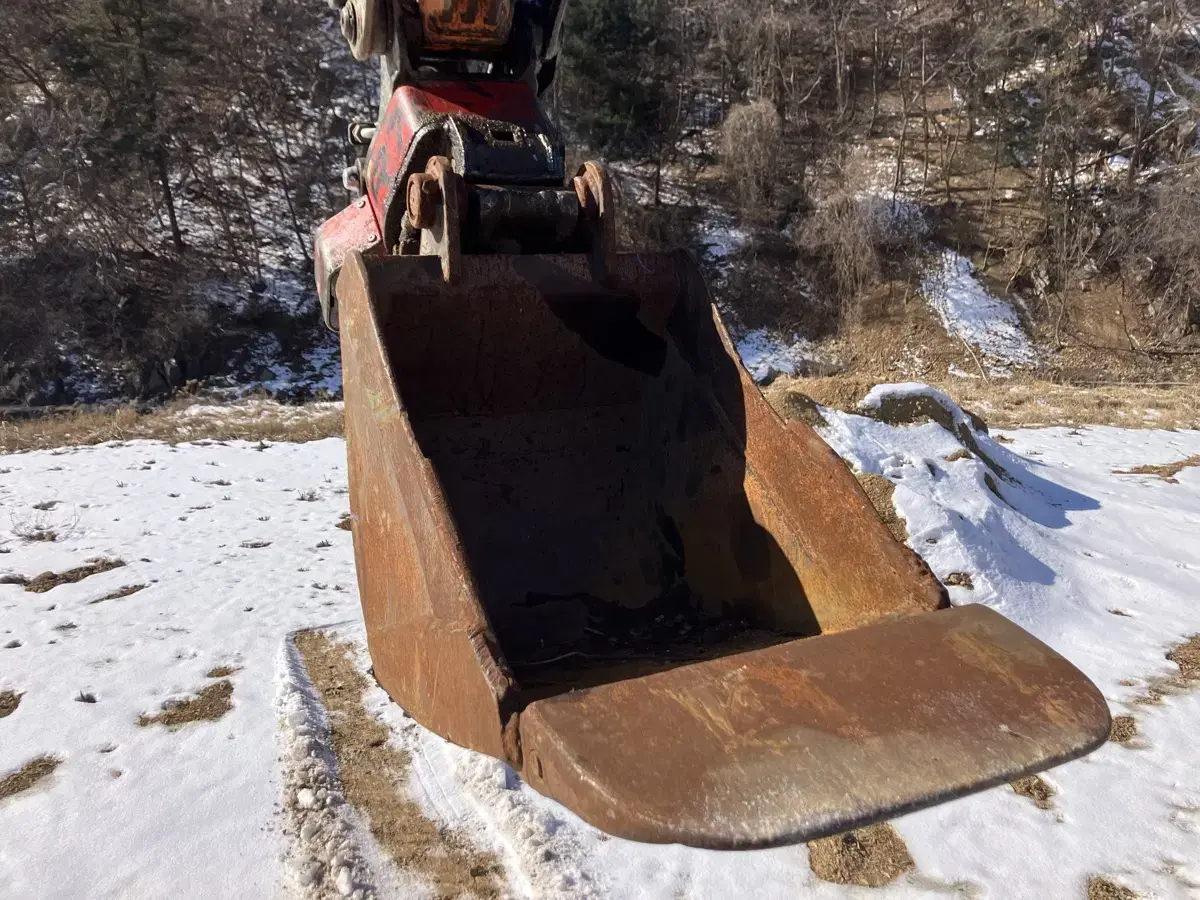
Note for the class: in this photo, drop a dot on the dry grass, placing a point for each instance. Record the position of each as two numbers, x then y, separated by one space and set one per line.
50 580
868 857
1124 729
35 533
1021 401
222 671
209 704
28 775
9 701
1037 790
175 422
1166 472
345 522
120 593
1100 888
879 491
374 776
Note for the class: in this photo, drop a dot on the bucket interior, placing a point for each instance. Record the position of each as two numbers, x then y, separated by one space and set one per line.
599 490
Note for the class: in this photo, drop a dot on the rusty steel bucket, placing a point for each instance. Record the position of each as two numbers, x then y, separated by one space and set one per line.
587 546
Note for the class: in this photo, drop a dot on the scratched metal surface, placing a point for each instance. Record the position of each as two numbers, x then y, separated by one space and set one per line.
558 484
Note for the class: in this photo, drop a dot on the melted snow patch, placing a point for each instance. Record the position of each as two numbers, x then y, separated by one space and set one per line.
972 314
721 239
766 354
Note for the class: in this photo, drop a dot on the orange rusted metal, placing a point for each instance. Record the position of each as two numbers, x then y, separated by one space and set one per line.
587 546
481 25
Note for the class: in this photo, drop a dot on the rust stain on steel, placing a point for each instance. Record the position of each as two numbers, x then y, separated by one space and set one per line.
586 545
638 757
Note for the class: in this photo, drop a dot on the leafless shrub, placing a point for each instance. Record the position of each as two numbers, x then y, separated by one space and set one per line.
1172 242
751 144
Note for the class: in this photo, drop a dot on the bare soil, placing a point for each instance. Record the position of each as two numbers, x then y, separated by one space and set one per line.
222 671
28 775
879 491
374 776
9 701
1124 729
1036 789
209 704
50 580
867 857
1186 655
1101 888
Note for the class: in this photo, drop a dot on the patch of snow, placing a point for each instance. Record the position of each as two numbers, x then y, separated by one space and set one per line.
954 370
144 811
968 311
1070 542
196 812
719 238
893 219
766 354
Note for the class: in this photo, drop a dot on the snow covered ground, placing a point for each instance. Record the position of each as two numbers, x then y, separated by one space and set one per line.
236 547
969 312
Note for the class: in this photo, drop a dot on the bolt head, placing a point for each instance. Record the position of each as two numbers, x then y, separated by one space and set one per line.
423 198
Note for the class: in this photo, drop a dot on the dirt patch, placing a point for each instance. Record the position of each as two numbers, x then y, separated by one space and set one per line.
868 857
50 580
840 392
959 579
1023 401
119 593
175 423
28 775
879 490
209 704
373 776
1166 472
1035 789
957 455
795 405
222 671
345 522
1185 655
1100 888
1124 729
9 701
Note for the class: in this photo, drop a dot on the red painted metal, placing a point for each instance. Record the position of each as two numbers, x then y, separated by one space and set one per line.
413 108
354 228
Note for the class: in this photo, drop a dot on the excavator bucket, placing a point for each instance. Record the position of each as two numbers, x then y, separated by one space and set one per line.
587 546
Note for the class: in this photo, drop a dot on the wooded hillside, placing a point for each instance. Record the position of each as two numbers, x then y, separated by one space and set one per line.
163 164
